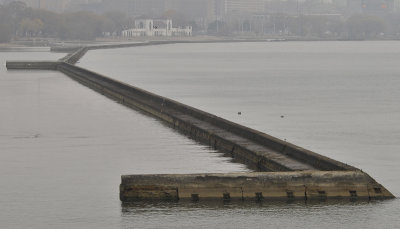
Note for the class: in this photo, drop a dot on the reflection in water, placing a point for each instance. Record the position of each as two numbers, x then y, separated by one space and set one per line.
138 207
239 214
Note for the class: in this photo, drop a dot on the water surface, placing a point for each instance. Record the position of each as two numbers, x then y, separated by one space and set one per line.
339 99
63 147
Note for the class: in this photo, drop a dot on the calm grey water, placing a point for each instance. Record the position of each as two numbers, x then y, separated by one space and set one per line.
63 146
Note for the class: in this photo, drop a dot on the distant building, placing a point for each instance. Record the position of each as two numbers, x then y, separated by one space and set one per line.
156 28
243 6
371 6
377 5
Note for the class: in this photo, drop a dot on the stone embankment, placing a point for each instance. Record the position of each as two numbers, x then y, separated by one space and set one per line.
289 171
32 65
300 185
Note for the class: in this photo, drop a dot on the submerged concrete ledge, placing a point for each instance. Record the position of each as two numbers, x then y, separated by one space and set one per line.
288 171
253 186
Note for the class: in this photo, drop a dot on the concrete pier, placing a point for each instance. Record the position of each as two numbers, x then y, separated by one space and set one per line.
302 185
255 149
31 65
288 171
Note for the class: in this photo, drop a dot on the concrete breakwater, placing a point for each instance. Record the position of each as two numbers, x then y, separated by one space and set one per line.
300 185
75 53
33 65
257 150
74 48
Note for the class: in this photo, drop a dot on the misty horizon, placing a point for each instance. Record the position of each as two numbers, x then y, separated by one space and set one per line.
291 19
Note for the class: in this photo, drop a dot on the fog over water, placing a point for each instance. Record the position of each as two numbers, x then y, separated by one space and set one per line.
63 146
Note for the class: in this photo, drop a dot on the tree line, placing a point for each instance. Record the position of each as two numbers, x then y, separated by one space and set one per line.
355 27
18 20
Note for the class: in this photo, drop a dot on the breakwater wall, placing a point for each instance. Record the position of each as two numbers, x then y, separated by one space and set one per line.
77 52
65 49
287 170
258 150
73 58
302 185
31 65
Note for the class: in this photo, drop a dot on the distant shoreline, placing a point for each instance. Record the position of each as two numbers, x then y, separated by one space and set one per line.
49 42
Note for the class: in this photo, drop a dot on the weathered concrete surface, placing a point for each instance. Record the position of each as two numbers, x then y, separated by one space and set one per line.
253 186
65 49
31 65
74 57
258 150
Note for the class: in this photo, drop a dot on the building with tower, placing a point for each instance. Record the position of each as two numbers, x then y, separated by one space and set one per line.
156 28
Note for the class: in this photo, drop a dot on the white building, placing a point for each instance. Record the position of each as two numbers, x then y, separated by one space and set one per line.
156 28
